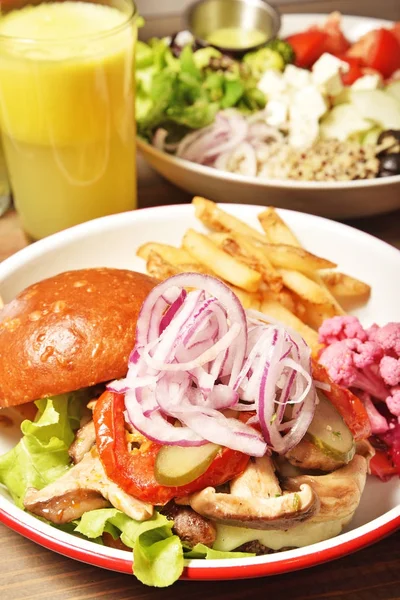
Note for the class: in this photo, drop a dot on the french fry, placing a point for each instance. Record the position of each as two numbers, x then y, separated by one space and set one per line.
173 255
304 287
318 303
217 219
284 297
160 268
276 230
315 314
294 257
299 308
315 276
343 286
1 302
277 311
271 273
248 300
225 266
242 247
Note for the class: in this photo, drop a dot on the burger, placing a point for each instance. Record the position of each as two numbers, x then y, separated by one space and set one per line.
69 332
171 421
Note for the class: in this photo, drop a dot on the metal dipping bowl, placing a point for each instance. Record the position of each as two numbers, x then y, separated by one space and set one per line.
205 16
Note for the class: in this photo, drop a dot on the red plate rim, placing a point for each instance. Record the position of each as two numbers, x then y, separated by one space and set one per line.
114 562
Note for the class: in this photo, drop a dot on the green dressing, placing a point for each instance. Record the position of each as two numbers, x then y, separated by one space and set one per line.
236 37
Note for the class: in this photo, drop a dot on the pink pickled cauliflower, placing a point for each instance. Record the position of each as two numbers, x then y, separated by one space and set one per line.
368 361
341 328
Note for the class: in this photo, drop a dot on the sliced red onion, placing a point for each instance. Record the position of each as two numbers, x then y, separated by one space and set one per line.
208 356
173 309
159 139
198 354
238 132
231 143
195 145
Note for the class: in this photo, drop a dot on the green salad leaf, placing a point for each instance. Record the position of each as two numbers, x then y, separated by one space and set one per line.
202 551
41 456
188 91
157 553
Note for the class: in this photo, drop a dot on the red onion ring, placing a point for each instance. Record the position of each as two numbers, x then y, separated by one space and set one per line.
198 354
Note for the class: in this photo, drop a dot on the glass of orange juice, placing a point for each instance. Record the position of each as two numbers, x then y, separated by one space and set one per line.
67 110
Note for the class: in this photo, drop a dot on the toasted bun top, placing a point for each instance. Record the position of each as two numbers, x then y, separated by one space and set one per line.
68 332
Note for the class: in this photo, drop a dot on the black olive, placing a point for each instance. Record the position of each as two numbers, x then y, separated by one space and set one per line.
391 142
389 164
389 133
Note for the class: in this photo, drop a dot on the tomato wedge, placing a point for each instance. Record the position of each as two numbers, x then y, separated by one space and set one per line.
336 42
355 69
396 30
350 406
381 466
134 471
308 46
384 53
379 50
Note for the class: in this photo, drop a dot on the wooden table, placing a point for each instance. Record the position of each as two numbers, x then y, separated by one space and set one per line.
31 572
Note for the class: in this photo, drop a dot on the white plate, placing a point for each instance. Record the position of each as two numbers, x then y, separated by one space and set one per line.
329 199
112 242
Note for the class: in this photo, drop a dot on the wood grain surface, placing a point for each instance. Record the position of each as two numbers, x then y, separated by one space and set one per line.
28 571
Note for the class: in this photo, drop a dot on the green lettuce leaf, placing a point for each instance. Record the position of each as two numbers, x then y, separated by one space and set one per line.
187 91
157 553
202 551
41 456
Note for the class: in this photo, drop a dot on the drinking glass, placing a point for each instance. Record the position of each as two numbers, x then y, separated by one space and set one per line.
5 194
67 110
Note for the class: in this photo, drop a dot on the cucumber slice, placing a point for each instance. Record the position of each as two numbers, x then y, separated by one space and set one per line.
176 465
330 433
394 89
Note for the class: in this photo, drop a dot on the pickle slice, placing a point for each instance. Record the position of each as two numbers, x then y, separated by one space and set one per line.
178 465
329 432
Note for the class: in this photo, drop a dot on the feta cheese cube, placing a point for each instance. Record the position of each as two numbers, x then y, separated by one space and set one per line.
272 84
372 81
309 103
307 107
326 74
295 77
277 112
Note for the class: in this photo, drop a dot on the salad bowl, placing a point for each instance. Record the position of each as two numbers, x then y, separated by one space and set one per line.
112 242
338 200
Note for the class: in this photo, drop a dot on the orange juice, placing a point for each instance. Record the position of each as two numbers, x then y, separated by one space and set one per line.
66 112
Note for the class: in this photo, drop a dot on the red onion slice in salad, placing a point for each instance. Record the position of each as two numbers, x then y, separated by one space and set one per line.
198 354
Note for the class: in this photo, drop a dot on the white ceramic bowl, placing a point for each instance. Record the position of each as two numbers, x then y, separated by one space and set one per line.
329 199
112 242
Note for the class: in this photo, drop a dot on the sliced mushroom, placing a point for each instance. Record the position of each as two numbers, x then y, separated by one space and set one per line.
65 507
191 527
281 512
254 547
307 455
339 492
85 439
258 479
365 449
84 487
